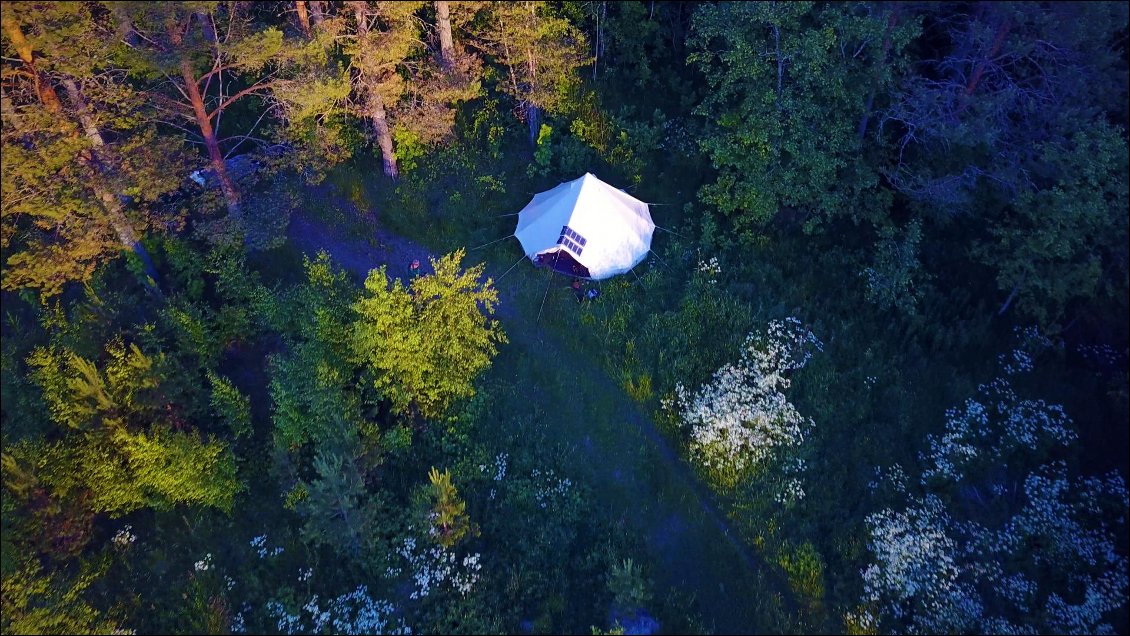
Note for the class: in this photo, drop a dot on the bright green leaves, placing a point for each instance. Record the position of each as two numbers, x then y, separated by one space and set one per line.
423 345
129 453
313 385
80 395
159 469
39 602
231 406
448 517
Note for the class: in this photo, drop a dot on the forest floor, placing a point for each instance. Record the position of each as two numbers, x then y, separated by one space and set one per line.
549 392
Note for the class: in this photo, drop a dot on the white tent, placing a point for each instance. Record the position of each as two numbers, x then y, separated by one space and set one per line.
589 223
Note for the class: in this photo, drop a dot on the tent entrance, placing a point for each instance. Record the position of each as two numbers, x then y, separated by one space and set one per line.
562 262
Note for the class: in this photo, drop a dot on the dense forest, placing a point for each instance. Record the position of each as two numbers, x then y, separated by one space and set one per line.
273 362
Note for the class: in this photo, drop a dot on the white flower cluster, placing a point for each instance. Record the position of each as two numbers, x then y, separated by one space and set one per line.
229 583
499 467
260 545
434 566
739 417
548 487
352 613
676 137
862 621
790 493
205 564
238 624
358 613
997 428
893 477
711 268
304 575
1029 343
1019 361
1101 355
1047 562
124 538
915 568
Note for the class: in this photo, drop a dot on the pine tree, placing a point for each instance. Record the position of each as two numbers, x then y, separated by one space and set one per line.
82 175
540 52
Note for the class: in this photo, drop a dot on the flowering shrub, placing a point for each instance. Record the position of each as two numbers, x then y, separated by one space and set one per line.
742 414
710 268
996 428
203 565
434 566
915 575
124 538
355 612
998 542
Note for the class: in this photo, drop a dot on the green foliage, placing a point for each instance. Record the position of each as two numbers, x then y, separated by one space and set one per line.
543 152
448 518
82 396
410 148
630 589
69 158
231 406
38 602
895 278
424 344
891 133
123 466
539 49
805 570
309 386
1066 242
159 469
786 103
338 511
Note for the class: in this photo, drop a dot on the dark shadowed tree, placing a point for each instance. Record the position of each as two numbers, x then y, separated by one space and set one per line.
792 84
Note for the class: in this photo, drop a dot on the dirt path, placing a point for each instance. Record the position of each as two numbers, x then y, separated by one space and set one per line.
636 475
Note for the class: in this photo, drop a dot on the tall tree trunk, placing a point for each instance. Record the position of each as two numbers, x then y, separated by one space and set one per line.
533 114
446 44
110 201
317 11
374 105
303 17
979 70
599 16
231 194
43 88
375 110
892 22
95 162
533 119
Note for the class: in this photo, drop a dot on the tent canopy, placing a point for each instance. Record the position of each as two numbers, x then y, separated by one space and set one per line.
603 229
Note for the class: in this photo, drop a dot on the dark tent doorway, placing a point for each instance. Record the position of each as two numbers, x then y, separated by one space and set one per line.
562 262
